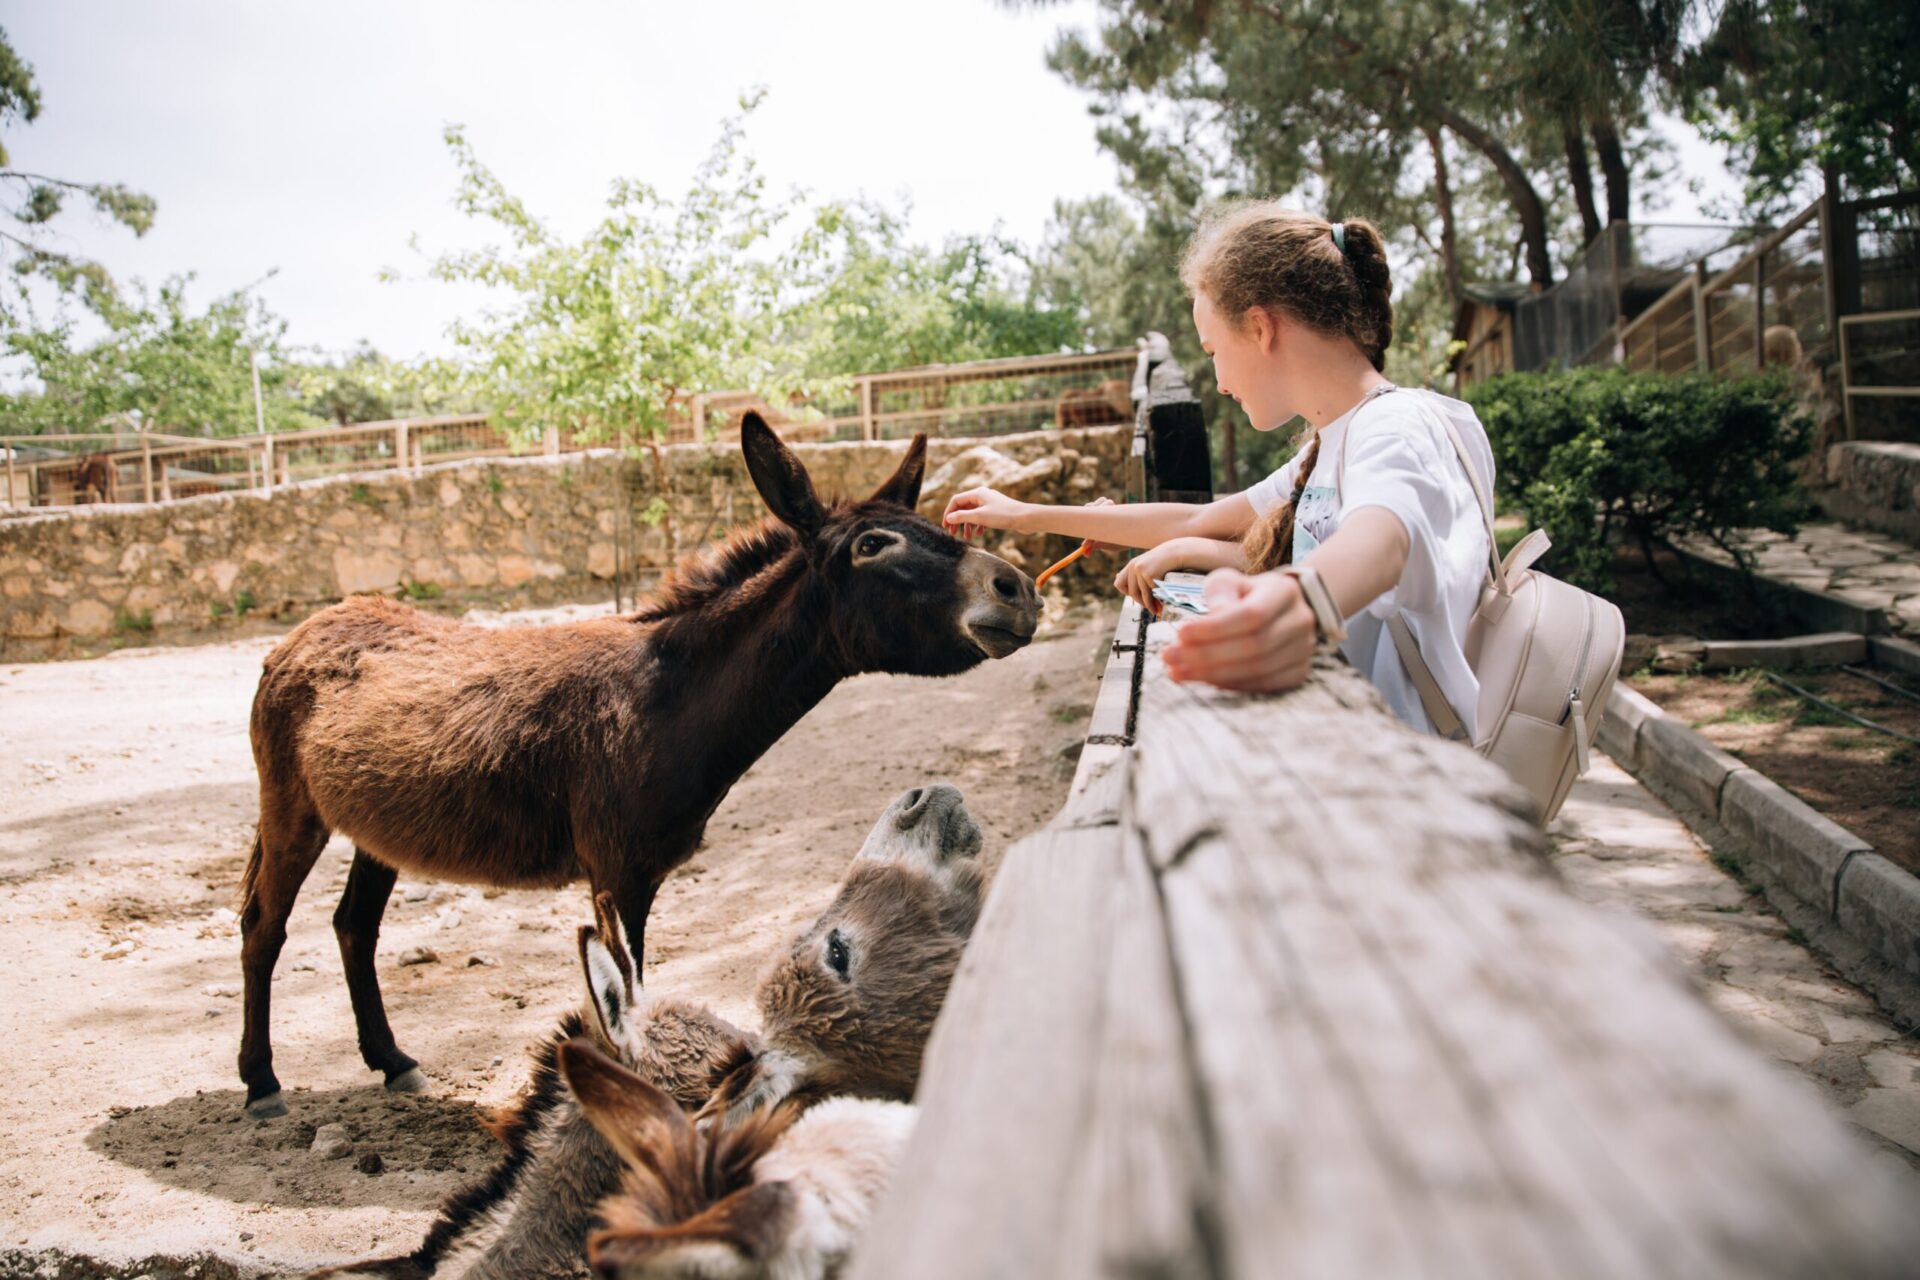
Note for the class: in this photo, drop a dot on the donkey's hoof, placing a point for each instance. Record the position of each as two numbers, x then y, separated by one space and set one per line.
412 1080
268 1107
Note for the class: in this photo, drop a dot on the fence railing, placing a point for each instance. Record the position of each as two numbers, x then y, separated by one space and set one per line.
986 397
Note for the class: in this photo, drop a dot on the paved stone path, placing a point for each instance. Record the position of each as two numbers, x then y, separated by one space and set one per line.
1618 844
1869 569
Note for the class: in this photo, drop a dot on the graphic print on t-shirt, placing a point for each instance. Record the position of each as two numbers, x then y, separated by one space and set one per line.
1313 518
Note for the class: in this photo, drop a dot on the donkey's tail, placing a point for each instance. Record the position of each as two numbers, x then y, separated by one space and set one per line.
250 876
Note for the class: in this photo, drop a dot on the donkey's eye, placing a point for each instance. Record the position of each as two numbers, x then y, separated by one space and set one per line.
839 958
872 544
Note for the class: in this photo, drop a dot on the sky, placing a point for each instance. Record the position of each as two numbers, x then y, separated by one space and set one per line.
305 140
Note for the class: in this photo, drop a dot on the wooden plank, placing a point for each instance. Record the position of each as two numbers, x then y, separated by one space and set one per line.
1496 1078
1004 1089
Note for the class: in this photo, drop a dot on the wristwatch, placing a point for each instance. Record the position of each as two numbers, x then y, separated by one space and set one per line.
1326 614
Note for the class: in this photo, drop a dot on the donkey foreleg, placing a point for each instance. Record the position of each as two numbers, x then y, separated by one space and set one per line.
356 923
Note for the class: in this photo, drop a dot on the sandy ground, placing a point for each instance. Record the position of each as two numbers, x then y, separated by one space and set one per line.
126 805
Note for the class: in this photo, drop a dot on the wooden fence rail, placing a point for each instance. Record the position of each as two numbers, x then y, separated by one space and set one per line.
1287 989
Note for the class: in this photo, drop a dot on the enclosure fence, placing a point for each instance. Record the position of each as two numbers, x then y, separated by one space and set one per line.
1834 293
978 398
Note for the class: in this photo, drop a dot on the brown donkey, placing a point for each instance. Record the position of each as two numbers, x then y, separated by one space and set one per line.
879 957
533 758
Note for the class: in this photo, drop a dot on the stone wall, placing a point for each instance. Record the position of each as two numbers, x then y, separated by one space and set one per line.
1876 484
515 531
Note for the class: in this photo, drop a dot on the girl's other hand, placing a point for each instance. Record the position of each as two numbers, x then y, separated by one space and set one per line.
1256 636
973 510
1135 581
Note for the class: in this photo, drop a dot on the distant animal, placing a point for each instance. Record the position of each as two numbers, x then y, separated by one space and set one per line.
96 479
847 1010
1108 403
594 749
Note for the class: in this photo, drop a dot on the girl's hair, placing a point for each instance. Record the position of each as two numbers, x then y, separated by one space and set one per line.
1269 543
1259 253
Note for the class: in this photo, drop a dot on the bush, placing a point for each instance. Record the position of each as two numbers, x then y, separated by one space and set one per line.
1597 455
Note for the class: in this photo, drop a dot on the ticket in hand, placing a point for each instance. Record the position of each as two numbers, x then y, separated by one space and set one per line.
1184 592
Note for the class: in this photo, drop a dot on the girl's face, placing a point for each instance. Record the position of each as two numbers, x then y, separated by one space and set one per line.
1246 361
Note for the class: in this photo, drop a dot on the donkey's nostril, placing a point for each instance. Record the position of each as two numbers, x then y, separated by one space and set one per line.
1006 586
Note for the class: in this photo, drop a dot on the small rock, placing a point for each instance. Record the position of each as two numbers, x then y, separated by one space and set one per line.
305 966
124 947
370 1163
496 1062
418 955
417 893
245 1236
330 1142
481 959
221 990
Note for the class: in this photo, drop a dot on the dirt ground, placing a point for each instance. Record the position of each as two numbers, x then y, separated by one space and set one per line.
126 805
1867 782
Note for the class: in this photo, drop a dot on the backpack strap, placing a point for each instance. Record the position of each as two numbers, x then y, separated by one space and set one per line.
1446 721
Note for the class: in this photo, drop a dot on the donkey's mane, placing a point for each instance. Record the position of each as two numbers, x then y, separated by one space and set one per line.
705 577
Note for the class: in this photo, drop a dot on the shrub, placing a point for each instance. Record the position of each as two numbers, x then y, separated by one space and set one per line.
1595 455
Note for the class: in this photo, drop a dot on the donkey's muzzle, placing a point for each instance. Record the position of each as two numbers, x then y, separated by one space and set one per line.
1002 608
929 823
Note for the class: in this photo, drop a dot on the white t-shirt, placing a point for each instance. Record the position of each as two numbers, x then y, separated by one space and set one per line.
1400 459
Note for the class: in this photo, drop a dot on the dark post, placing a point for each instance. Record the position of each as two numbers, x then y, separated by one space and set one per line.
1170 456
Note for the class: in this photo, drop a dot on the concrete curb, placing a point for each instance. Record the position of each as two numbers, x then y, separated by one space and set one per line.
1901 655
1821 610
1820 863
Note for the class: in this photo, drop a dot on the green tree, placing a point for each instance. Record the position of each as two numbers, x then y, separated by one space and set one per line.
160 366
366 386
1798 88
28 248
661 299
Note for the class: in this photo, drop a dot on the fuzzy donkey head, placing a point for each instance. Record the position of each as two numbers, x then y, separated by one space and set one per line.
683 1048
848 1009
786 1192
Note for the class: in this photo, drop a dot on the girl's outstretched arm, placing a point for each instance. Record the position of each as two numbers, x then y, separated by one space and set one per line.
1134 524
1195 555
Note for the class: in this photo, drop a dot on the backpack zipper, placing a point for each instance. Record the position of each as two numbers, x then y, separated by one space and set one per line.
1576 709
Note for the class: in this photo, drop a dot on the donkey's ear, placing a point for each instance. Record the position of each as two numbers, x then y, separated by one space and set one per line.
608 969
755 1081
738 1235
903 486
636 1118
779 476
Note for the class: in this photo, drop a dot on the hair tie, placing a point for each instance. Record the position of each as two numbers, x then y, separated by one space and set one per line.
1339 230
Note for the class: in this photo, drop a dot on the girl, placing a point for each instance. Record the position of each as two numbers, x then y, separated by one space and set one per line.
1294 311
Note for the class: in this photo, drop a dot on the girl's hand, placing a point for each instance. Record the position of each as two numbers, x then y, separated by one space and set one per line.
1135 581
1257 634
974 510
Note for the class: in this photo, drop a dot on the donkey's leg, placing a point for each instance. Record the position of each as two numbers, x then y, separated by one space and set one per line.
633 899
290 840
357 924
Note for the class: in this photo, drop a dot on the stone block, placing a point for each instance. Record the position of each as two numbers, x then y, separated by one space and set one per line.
354 570
1880 908
87 618
1628 711
1828 649
1801 849
1685 761
1901 655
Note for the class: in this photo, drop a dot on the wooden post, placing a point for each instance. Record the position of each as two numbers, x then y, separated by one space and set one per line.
1759 311
700 418
166 487
146 470
12 500
866 408
1245 1009
1828 199
400 446
1702 330
550 441
266 463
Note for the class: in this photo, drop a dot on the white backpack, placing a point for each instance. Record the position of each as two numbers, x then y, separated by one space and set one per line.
1545 652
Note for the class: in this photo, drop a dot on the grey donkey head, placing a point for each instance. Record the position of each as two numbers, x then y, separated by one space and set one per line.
849 1007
